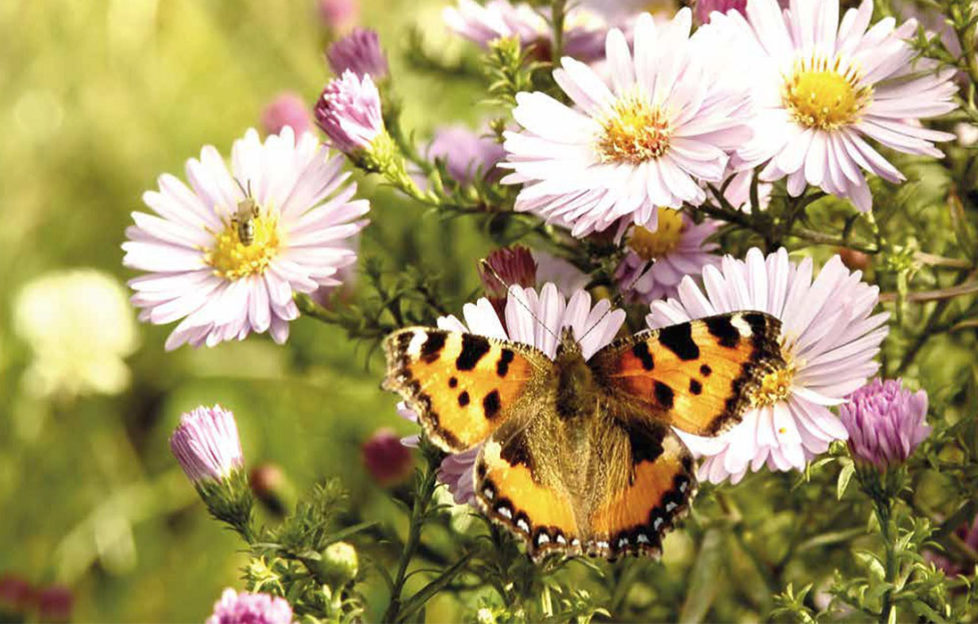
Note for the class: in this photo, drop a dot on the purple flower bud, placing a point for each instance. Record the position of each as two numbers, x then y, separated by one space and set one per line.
55 603
16 595
339 15
465 152
705 7
885 421
387 460
348 112
287 109
505 267
359 52
245 608
206 444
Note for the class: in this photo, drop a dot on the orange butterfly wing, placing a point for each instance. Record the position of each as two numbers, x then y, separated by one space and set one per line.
462 386
697 376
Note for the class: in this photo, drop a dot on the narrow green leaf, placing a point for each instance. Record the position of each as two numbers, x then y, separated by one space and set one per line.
702 585
845 475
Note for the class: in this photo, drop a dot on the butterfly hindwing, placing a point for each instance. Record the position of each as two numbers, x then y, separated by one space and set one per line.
697 376
516 485
462 386
646 492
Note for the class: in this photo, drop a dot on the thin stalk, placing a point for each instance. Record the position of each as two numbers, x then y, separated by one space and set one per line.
883 509
419 511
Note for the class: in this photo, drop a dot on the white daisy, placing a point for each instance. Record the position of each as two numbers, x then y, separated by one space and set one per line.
533 318
227 274
668 117
829 338
823 86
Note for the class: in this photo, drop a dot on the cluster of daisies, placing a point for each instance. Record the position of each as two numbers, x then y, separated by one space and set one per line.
657 116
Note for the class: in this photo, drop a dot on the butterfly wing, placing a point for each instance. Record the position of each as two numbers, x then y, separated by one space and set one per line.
462 386
519 483
698 376
643 479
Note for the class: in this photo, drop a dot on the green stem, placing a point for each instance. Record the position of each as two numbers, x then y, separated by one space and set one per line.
558 13
419 511
884 507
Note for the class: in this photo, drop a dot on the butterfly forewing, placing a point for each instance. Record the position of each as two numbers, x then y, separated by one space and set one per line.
697 376
462 386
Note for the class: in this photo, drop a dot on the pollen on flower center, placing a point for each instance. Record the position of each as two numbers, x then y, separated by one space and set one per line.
819 94
232 259
634 132
652 245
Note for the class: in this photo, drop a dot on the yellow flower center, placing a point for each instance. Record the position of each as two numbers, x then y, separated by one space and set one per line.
776 384
652 245
820 95
232 259
634 132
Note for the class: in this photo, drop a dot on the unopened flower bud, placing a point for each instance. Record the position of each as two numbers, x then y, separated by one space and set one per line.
705 7
348 111
54 604
339 15
854 260
287 109
339 564
15 598
359 52
885 421
387 460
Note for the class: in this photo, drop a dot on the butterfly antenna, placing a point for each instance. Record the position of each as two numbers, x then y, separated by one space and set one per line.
241 186
620 297
488 267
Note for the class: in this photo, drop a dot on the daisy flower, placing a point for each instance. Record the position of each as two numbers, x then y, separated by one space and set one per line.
206 444
584 30
824 86
534 318
467 154
348 112
227 274
676 249
238 608
829 338
886 422
668 117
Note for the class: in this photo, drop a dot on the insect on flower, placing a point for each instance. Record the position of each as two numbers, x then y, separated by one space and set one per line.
245 215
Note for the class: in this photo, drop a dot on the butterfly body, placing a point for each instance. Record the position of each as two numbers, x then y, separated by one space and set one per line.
578 456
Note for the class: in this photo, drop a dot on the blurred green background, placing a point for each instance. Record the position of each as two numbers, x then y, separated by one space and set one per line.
98 98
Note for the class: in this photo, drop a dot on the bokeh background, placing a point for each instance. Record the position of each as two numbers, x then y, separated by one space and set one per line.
98 98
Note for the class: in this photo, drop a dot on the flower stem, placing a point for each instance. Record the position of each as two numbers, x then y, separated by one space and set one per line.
419 511
883 506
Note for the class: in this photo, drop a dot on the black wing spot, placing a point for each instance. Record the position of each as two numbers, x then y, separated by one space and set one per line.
516 452
706 370
431 349
491 404
641 351
679 340
695 386
645 442
664 394
452 382
723 330
473 348
463 399
502 366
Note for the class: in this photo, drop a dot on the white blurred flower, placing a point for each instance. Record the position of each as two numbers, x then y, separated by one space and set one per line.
80 328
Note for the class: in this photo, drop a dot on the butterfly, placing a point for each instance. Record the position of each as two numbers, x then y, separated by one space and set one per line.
579 456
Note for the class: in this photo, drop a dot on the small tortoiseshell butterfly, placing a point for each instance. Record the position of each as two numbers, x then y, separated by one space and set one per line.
579 456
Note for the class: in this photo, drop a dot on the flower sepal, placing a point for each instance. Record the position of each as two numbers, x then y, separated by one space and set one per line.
230 500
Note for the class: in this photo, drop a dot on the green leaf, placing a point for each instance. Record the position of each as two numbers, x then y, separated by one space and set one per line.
703 584
845 475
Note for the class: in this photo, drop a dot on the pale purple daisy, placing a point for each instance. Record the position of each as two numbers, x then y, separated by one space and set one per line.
667 119
822 86
286 109
466 153
229 267
206 444
829 337
359 52
348 111
584 30
534 318
885 421
248 608
655 262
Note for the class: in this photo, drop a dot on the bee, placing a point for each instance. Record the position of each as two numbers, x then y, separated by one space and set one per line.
243 219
